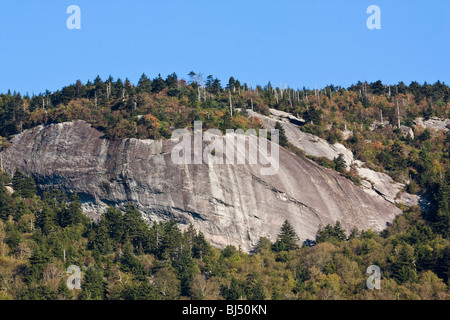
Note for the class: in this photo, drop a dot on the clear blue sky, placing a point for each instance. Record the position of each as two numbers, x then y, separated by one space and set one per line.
298 43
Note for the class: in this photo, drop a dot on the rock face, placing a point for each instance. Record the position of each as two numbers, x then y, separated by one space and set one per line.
230 203
374 182
433 123
407 131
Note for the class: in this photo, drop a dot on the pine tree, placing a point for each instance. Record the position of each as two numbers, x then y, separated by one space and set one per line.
234 291
94 287
158 84
171 242
144 84
283 141
331 233
201 247
46 219
72 213
442 219
23 185
287 239
172 80
339 163
6 206
129 262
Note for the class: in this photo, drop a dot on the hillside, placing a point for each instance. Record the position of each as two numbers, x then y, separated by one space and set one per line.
354 157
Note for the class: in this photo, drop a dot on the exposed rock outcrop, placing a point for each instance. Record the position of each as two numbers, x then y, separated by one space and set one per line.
407 131
433 123
375 182
229 203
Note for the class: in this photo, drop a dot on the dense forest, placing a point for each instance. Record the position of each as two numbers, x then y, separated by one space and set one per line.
43 232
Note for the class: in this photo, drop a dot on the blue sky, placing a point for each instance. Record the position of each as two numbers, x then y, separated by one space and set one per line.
298 43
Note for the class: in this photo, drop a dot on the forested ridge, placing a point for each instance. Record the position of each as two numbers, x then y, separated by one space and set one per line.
42 232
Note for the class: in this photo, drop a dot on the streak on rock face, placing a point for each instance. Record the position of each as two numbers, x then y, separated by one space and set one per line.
230 204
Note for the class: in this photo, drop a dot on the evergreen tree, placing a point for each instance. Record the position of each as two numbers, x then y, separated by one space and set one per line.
94 286
158 84
46 219
339 163
403 268
186 269
72 213
231 84
171 241
287 239
172 80
129 263
233 291
38 261
13 236
331 233
283 141
442 219
6 205
144 84
23 185
254 288
201 247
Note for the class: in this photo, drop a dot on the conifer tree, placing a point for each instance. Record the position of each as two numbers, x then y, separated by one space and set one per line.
287 239
283 141
144 84
339 163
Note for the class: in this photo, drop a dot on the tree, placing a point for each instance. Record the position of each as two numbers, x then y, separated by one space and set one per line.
129 89
167 284
312 115
171 241
38 261
263 245
209 83
46 219
201 247
114 223
144 84
331 233
231 84
172 80
283 141
233 291
254 288
339 163
186 269
129 262
403 267
158 84
287 239
13 236
94 287
442 218
140 291
23 185
72 213
377 87
192 75
6 206
135 228
216 86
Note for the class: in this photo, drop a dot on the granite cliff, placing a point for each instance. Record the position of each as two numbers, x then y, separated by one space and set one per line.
230 203
375 182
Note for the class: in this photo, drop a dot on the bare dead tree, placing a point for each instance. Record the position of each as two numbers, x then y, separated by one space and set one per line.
231 105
